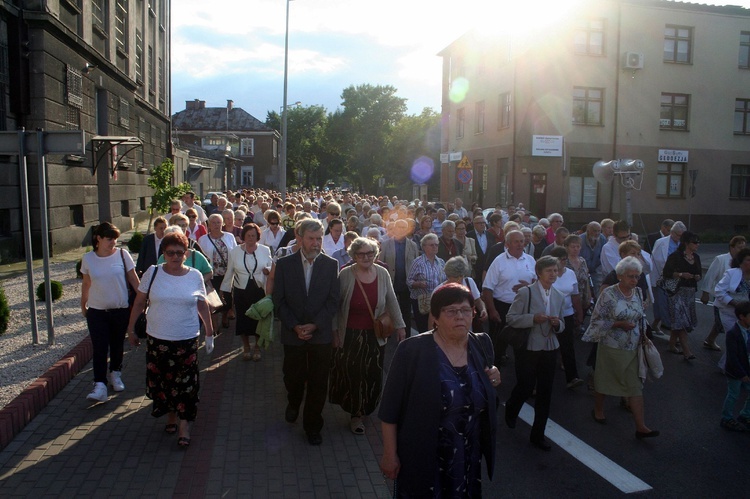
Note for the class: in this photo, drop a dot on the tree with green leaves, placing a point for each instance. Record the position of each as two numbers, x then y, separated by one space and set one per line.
160 180
306 127
412 137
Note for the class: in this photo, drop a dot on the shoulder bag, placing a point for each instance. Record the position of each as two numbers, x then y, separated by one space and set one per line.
131 291
382 324
669 285
518 337
649 359
141 322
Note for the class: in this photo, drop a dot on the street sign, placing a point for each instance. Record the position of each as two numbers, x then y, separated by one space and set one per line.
464 176
464 163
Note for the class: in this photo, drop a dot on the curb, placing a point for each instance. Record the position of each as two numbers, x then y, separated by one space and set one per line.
29 403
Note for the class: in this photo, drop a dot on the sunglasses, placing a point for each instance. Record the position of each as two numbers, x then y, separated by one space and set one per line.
171 253
273 223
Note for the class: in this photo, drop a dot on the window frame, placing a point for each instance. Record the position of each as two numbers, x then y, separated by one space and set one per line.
744 47
669 174
745 112
588 100
122 29
503 111
673 106
676 39
460 122
584 27
479 113
738 178
243 149
581 168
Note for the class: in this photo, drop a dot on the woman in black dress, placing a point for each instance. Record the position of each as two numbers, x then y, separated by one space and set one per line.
685 265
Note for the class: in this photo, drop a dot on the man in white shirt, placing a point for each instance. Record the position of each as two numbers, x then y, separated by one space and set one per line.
188 201
460 210
610 255
509 272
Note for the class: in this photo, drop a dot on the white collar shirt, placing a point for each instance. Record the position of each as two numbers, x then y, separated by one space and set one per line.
505 272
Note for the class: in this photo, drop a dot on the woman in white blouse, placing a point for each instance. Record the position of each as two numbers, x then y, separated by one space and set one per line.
216 245
247 278
273 233
177 299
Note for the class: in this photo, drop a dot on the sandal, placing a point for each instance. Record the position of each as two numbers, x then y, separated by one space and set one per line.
357 426
256 354
183 442
170 428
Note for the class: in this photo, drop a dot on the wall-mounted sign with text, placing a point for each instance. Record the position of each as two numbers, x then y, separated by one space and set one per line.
547 145
672 156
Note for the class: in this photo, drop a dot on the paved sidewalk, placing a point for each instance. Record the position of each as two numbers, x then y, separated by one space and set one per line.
241 446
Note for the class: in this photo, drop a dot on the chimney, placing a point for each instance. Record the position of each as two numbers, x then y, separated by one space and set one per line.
195 104
230 103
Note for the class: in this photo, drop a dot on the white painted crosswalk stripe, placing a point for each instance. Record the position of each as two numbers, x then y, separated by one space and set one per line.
593 459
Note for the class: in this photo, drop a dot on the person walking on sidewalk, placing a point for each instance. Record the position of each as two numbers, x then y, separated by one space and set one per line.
177 300
107 272
306 294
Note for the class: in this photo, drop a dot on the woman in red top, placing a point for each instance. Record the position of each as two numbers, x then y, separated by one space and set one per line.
195 230
357 371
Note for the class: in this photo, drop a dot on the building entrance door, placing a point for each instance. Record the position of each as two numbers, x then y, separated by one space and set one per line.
538 195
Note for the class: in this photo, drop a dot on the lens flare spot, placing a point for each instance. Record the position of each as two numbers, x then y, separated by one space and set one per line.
459 89
422 170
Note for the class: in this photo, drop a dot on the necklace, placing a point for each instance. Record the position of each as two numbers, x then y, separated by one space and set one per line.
623 293
451 359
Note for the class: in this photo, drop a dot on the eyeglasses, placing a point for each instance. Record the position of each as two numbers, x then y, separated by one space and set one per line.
368 255
455 312
192 216
273 223
171 253
182 225
335 214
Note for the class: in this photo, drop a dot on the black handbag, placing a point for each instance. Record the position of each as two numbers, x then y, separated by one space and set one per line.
141 322
669 285
517 337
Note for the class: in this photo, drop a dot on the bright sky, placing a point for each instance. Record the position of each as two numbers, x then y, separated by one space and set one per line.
234 49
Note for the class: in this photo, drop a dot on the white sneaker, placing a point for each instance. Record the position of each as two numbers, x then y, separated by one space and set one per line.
115 379
99 393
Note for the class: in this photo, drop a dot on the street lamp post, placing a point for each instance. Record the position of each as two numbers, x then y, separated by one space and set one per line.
282 155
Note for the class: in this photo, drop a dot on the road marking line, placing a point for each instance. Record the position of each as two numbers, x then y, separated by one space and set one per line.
595 460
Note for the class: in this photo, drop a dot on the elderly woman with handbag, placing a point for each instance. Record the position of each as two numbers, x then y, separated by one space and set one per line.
617 324
357 371
177 299
538 307
247 279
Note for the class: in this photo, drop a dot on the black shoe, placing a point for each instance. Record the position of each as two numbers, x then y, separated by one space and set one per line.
598 420
510 422
314 438
291 414
646 434
541 444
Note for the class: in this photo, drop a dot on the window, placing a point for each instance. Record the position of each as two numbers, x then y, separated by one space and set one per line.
744 61
246 176
123 114
502 180
121 25
76 215
99 15
742 116
739 187
503 112
674 112
74 84
143 129
587 105
583 189
678 41
479 117
138 56
247 147
588 38
670 180
150 62
460 123
72 118
124 208
161 80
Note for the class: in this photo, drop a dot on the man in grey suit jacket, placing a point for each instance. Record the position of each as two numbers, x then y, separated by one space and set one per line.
399 252
306 296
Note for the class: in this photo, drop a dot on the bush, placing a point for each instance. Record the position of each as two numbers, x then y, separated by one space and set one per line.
4 312
78 269
135 243
57 290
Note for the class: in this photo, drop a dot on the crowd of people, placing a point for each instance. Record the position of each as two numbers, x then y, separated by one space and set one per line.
338 266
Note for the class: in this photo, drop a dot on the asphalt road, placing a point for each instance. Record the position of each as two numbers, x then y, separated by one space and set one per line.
693 456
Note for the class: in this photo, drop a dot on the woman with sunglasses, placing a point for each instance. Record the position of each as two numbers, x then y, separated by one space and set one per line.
357 372
247 280
273 233
194 230
177 299
684 264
